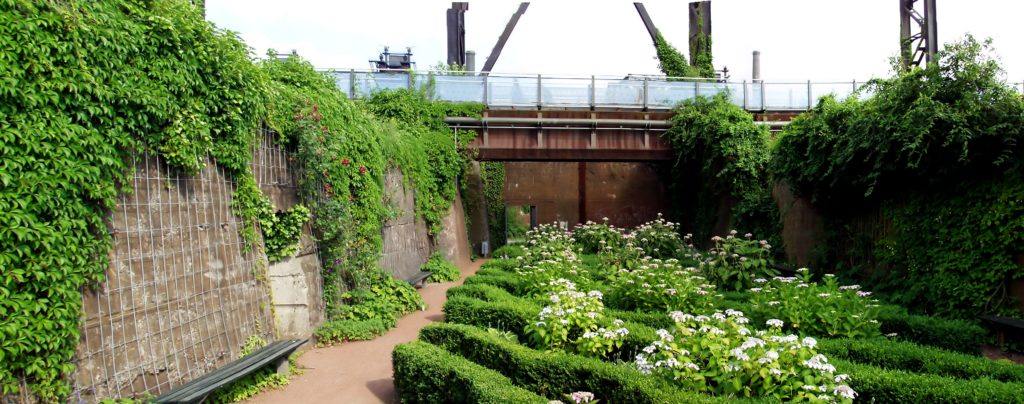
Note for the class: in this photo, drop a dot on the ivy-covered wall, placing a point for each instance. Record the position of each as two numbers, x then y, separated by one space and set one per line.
919 186
90 85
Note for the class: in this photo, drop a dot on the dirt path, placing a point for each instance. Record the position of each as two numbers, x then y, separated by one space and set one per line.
360 372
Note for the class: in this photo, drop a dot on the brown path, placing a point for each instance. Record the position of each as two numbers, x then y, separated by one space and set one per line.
360 372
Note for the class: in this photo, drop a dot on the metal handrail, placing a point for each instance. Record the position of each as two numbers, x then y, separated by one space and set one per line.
589 92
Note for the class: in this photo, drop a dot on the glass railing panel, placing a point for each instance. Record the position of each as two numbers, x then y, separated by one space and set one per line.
565 92
840 90
511 91
785 95
459 88
619 93
666 94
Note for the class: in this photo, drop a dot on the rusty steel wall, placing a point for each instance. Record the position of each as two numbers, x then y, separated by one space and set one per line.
182 293
628 194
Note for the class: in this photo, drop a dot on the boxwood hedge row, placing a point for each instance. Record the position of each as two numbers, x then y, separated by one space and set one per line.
425 373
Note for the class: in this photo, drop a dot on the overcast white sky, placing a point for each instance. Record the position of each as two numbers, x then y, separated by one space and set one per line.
799 40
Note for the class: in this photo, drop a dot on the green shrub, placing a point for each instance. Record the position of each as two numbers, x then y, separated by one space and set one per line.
575 321
954 335
387 300
553 373
441 269
656 285
515 315
501 264
593 237
910 357
509 251
334 331
425 373
820 309
482 291
733 262
875 384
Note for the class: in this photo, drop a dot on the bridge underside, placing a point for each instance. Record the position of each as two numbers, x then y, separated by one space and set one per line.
578 135
566 135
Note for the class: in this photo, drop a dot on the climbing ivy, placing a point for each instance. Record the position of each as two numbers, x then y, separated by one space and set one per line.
493 175
83 84
939 151
671 61
721 162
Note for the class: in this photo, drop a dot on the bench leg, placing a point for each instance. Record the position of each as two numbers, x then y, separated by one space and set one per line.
282 366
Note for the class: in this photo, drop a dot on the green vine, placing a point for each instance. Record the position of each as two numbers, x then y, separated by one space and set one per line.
493 174
939 152
84 84
722 159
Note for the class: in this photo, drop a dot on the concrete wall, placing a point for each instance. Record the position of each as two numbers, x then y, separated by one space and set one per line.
628 194
407 240
295 283
182 293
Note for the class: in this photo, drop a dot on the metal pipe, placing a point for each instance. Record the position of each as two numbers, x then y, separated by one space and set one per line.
558 121
757 66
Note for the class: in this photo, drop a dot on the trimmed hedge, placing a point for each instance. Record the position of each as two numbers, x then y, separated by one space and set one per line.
897 386
954 335
509 282
426 373
506 265
555 373
911 357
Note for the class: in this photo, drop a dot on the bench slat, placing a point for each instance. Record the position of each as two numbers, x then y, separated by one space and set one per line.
419 277
202 386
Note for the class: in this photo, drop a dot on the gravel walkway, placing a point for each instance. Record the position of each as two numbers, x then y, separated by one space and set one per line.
360 372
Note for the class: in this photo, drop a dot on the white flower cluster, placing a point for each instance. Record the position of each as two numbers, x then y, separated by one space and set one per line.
732 353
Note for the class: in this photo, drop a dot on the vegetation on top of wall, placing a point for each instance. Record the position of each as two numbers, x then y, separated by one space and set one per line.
84 84
721 161
938 151
700 50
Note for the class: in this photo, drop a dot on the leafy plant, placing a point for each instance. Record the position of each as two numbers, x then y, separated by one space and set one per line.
336 331
721 355
734 263
441 269
574 321
823 309
661 286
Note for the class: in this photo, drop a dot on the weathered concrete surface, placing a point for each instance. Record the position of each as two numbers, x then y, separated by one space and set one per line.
296 306
452 241
406 237
182 293
476 207
628 194
802 228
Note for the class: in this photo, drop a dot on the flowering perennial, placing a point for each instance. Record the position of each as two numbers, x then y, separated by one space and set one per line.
722 354
574 321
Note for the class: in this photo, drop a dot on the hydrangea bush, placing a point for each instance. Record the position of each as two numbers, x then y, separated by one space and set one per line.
721 355
734 262
821 309
661 285
574 322
658 238
592 237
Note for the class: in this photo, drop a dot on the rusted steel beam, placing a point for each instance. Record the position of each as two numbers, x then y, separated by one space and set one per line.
493 57
651 30
495 154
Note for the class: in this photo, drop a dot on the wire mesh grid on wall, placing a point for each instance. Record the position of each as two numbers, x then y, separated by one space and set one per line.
277 172
182 294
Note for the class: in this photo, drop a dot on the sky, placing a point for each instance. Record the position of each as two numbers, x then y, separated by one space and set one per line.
799 40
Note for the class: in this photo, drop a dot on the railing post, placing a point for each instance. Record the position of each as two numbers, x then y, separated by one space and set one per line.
352 84
408 79
540 102
746 105
764 105
854 87
645 94
810 102
696 89
485 100
593 93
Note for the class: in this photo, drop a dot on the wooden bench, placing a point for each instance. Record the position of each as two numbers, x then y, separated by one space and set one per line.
418 279
1004 325
275 354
